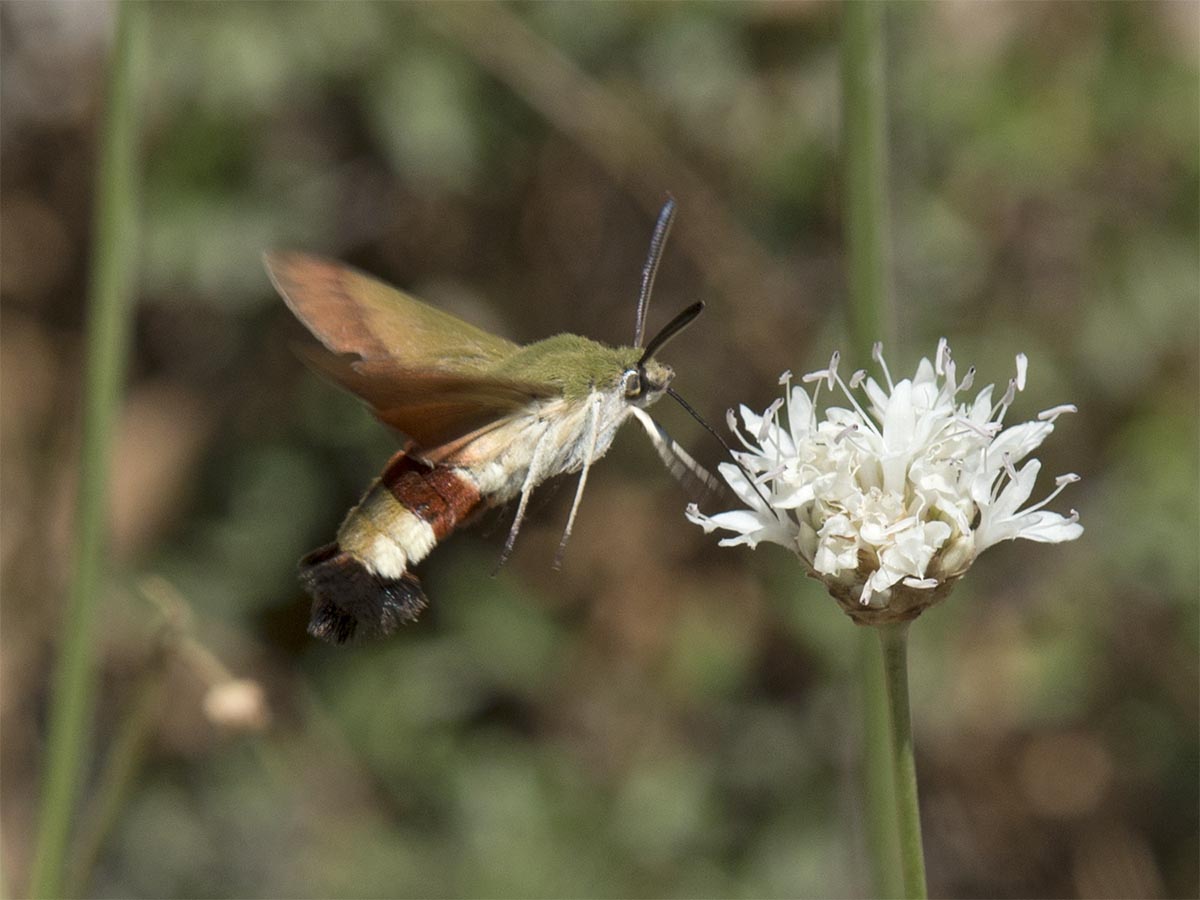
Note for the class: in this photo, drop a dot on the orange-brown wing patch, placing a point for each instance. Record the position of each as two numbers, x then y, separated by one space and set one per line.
350 312
423 371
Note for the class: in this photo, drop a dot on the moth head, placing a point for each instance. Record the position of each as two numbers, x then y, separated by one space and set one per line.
649 379
644 383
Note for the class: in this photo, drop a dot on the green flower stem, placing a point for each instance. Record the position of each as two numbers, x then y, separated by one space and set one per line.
893 640
864 147
883 844
110 301
864 150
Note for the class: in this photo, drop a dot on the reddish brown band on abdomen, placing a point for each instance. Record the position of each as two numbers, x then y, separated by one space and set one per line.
440 496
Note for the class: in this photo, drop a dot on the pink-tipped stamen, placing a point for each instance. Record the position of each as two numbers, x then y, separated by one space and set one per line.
732 422
877 355
846 389
1001 408
833 366
849 429
1060 483
1009 467
768 420
939 358
1049 415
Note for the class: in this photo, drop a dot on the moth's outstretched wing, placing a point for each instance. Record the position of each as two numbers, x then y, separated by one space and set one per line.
350 312
421 370
698 483
434 408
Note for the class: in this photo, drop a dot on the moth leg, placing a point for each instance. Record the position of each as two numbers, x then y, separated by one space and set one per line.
532 478
593 436
697 481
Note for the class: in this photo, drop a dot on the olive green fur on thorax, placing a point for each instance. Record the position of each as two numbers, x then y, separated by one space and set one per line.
573 364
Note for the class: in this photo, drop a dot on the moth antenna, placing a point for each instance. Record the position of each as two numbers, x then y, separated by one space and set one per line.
662 228
695 415
672 328
593 435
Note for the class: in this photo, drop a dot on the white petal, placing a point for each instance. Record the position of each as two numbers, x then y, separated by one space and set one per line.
735 479
899 419
1049 527
774 535
1017 491
751 420
981 409
936 534
800 411
925 372
793 496
1020 440
742 520
921 584
878 397
894 467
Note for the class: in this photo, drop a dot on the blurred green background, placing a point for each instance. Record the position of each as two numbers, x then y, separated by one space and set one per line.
660 718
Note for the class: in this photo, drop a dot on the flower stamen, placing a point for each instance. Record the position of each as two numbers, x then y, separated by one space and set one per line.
1049 415
768 420
877 355
1060 484
999 410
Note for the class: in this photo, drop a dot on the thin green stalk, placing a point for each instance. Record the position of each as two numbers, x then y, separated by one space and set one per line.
864 144
120 772
870 319
878 784
893 640
110 302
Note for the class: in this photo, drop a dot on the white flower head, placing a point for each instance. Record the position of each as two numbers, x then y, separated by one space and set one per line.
888 499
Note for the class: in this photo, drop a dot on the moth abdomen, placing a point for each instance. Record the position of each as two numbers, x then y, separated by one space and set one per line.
363 583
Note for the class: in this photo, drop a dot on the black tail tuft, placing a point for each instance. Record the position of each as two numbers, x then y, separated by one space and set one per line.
349 600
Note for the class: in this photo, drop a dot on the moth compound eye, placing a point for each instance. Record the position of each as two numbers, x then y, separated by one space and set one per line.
631 383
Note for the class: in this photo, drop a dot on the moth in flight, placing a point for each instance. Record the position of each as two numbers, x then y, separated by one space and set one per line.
486 421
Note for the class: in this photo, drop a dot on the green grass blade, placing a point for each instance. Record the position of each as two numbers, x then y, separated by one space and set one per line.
110 303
